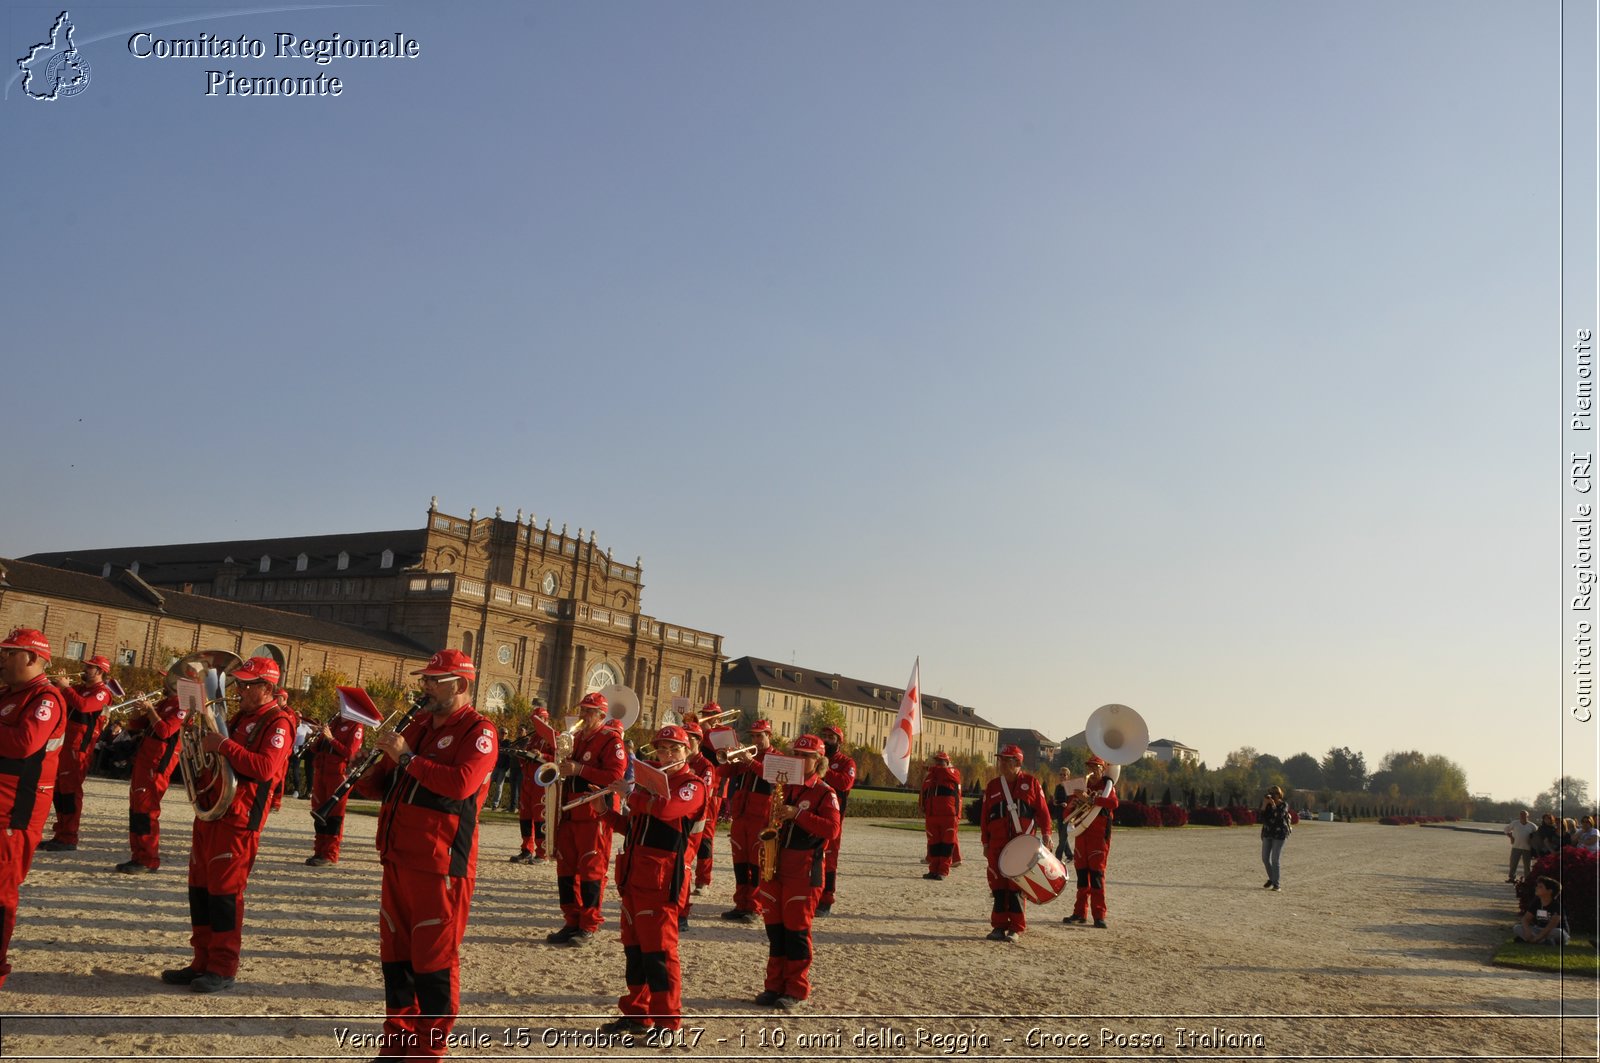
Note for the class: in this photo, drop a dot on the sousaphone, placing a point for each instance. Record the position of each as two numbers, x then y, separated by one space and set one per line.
1117 735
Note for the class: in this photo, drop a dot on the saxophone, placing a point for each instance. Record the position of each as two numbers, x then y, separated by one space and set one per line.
769 834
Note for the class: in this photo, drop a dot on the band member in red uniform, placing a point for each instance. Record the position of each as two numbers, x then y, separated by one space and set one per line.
433 776
332 750
32 724
1092 846
941 814
1033 812
583 836
86 703
535 751
841 776
810 817
157 726
750 802
223 850
699 854
653 879
283 772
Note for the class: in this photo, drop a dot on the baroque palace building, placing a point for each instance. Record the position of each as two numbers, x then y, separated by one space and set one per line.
544 614
782 693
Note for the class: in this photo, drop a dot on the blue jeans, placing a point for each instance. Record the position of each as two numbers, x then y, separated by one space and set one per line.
1271 855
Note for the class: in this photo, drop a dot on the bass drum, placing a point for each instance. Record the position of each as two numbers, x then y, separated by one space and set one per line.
1035 869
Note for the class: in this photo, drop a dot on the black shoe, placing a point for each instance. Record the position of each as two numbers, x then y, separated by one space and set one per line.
934 877
787 1003
740 915
1074 919
997 934
579 938
683 922
824 909
768 997
53 846
317 861
523 857
1276 887
181 976
1100 924
562 936
624 1024
1267 885
210 983
133 867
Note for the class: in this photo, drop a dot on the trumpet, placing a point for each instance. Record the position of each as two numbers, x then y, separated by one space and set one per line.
137 699
737 755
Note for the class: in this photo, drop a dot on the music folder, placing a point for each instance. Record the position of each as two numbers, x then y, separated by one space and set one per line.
650 777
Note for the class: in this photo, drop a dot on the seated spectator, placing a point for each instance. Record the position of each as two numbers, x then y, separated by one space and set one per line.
1547 839
1569 832
1544 923
1588 836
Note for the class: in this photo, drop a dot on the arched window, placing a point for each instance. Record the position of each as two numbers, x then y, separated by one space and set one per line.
466 643
300 563
496 698
387 560
267 649
604 674
344 559
266 562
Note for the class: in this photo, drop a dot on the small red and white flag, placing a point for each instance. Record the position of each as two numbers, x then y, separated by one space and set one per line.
355 704
116 689
907 725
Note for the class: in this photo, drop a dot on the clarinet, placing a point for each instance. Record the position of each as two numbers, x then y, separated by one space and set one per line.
396 722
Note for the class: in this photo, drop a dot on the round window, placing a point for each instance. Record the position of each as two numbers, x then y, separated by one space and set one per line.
504 656
674 684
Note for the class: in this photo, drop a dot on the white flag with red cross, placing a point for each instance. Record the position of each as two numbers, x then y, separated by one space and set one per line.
907 725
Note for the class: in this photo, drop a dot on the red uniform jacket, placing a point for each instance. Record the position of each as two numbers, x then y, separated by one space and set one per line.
658 831
841 775
1097 835
32 722
157 754
706 772
85 708
995 818
334 755
602 759
258 748
812 829
941 792
749 795
429 819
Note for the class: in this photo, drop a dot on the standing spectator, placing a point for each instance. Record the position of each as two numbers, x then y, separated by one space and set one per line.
1521 832
514 772
301 764
1059 806
1544 923
32 721
502 768
431 778
1547 839
1276 823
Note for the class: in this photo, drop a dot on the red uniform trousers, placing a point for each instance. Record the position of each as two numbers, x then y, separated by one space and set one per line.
16 856
421 921
583 856
789 902
530 806
703 857
744 836
144 815
942 834
830 867
650 948
326 775
70 772
1007 913
220 859
1089 860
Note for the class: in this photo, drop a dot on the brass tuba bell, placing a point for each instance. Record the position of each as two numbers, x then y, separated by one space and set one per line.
208 777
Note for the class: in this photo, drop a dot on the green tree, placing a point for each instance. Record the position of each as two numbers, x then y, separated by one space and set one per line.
817 715
1344 769
1303 771
1568 796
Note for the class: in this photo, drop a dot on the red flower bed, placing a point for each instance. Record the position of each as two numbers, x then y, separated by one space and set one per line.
1578 871
1174 816
1138 814
1211 817
1243 816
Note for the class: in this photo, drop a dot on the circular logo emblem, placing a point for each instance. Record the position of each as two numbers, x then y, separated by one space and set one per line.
277 740
686 794
444 742
43 711
483 744
586 758
804 805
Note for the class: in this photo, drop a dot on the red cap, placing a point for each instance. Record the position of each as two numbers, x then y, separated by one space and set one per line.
257 670
594 700
831 729
102 663
26 638
1094 762
809 744
761 727
450 662
671 733
541 712
942 755
1014 752
711 709
693 728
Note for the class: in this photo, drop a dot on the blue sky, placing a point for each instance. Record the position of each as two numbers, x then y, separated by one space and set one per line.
1194 356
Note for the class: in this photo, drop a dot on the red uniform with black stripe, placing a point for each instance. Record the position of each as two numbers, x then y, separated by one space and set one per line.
32 723
998 828
583 835
1090 851
330 763
223 851
941 815
749 804
841 777
86 705
428 839
699 855
153 761
283 772
653 879
530 797
789 901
